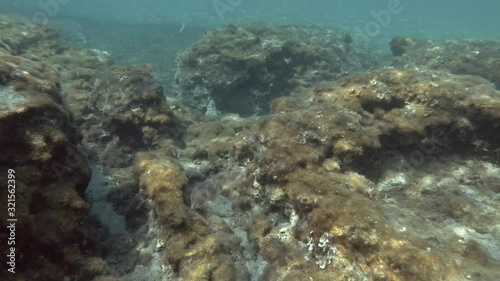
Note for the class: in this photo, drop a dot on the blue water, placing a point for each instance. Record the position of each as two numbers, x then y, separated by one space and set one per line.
426 18
154 31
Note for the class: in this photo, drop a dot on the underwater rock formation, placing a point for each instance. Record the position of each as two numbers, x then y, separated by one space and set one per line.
474 57
118 109
352 164
39 142
197 248
331 183
20 37
242 68
390 174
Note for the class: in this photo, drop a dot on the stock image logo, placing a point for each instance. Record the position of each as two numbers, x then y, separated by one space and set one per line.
48 10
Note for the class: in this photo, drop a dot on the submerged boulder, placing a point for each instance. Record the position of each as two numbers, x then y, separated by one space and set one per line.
351 164
474 57
242 68
48 173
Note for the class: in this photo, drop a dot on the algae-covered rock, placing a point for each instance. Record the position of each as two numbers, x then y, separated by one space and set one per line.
389 174
118 109
39 144
354 161
18 36
474 57
134 109
336 176
195 249
363 113
242 68
163 181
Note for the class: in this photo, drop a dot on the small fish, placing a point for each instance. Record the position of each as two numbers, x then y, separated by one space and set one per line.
203 192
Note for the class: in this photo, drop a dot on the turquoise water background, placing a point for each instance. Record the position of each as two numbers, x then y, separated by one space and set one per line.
426 18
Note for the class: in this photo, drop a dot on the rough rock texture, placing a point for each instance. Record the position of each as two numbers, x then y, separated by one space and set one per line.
331 185
475 57
391 105
40 142
111 104
196 248
122 111
20 37
163 181
385 175
117 108
119 112
242 68
353 164
334 182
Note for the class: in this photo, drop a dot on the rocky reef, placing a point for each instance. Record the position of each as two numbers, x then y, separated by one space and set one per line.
383 174
376 150
474 57
44 170
242 68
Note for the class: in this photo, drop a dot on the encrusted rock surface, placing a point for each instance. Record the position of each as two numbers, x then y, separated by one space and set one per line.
475 57
330 184
390 174
349 161
242 68
117 108
40 142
